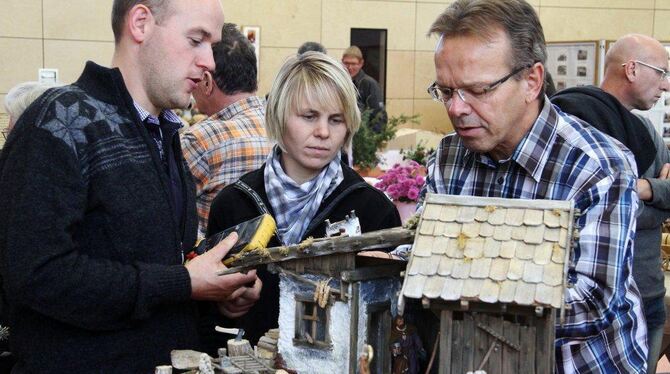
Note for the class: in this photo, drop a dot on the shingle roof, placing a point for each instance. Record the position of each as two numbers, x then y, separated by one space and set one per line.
491 250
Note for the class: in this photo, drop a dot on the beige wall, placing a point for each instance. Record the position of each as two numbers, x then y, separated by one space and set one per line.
64 34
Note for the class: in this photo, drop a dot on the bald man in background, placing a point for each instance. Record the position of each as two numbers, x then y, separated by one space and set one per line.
636 75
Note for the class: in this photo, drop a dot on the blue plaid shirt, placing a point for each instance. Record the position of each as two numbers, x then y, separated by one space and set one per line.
561 159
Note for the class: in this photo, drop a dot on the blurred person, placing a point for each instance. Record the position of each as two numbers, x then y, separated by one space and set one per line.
311 114
98 209
312 46
20 97
369 93
232 140
636 75
511 142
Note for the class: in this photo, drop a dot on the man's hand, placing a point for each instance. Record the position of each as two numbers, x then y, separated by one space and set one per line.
239 303
665 172
644 190
205 284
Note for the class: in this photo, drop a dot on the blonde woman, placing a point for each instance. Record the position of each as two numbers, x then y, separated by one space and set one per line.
312 115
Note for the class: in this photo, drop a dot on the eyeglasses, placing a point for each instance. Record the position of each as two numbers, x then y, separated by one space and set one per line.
470 94
664 73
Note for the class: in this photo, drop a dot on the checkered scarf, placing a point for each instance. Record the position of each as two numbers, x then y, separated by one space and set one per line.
296 205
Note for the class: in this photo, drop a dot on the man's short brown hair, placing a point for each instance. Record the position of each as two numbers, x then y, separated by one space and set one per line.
120 8
353 51
482 19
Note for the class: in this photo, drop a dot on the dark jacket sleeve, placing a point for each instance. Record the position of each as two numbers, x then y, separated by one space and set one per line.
43 200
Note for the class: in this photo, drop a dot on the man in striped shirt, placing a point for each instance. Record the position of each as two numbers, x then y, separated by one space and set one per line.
511 142
232 141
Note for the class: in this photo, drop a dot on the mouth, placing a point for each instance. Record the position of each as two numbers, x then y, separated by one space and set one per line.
193 83
318 150
468 131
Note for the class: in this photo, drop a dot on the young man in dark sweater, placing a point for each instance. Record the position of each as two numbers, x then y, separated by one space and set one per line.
97 208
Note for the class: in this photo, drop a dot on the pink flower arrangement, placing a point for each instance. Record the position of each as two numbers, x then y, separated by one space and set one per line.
403 182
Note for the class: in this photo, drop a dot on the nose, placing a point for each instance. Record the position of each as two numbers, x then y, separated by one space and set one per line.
321 129
457 107
205 59
665 85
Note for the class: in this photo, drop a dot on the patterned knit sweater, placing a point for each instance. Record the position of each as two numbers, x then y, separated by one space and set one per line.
90 253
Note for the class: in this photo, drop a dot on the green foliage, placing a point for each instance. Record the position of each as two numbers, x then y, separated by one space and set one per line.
367 142
419 154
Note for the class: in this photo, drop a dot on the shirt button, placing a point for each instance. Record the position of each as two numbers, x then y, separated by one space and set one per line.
501 180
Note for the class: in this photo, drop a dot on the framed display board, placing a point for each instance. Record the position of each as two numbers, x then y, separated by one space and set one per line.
253 34
573 64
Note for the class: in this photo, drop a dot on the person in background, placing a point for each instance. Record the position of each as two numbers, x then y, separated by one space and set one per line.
369 93
232 140
312 46
20 97
636 75
97 208
511 142
311 114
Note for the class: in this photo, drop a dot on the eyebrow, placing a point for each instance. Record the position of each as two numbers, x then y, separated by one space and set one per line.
202 32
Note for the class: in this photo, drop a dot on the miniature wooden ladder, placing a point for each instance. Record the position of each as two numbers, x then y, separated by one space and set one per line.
499 338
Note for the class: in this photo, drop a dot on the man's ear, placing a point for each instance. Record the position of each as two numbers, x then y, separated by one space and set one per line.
139 22
629 71
534 81
207 83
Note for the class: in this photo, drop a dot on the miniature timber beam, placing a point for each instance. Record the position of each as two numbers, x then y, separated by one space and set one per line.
373 240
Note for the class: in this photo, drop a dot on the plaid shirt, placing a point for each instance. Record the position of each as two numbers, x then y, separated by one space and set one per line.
560 159
222 148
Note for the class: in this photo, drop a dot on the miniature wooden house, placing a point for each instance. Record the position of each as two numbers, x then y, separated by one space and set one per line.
494 270
331 305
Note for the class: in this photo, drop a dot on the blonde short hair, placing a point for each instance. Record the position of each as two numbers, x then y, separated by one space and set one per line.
316 78
20 97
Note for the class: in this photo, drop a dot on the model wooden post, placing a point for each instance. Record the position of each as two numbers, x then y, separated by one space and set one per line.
239 348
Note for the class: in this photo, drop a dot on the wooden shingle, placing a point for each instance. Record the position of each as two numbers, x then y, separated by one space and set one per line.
533 217
491 248
480 268
514 217
461 270
466 214
413 286
486 229
449 213
489 292
474 248
432 289
471 229
499 269
445 266
452 289
497 217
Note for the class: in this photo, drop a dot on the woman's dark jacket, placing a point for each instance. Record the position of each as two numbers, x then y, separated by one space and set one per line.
233 205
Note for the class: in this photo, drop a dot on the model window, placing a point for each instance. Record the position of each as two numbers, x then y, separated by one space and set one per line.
312 324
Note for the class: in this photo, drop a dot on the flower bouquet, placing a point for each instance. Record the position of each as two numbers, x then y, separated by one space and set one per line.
403 182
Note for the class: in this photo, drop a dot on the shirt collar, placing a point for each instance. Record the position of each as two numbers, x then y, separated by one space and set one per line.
239 106
532 152
165 114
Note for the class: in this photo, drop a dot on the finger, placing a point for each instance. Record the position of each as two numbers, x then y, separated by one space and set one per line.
237 294
665 171
221 249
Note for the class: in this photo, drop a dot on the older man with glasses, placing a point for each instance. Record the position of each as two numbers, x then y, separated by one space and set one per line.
511 142
636 75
